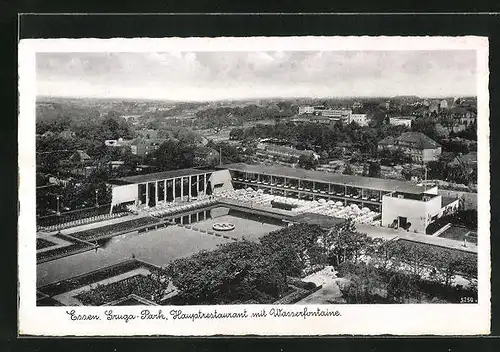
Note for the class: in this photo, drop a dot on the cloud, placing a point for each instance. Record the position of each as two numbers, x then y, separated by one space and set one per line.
228 75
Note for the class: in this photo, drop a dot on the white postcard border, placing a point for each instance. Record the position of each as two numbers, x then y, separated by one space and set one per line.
407 319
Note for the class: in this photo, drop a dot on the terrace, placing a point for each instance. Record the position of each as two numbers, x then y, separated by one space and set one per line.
423 197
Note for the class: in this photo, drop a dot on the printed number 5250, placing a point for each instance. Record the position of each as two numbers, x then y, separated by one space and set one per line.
467 300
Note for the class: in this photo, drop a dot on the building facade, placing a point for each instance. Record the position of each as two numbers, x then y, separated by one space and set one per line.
360 119
401 121
401 204
415 144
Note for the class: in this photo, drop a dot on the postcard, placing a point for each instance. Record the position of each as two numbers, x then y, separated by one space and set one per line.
275 186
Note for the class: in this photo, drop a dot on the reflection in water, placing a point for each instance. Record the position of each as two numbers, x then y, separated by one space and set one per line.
158 246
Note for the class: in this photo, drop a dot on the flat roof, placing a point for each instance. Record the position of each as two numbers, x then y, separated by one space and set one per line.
163 175
320 176
323 221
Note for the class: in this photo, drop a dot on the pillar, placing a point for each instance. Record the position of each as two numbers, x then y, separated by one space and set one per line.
147 194
156 193
173 190
190 186
164 191
198 184
204 183
182 188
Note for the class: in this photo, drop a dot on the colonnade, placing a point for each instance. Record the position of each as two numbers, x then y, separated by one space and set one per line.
201 188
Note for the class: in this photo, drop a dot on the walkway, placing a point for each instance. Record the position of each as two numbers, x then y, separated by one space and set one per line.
100 224
328 293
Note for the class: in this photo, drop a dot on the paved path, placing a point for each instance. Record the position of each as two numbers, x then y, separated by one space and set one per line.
100 224
329 293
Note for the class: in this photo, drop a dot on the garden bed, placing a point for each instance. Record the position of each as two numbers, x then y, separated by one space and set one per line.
140 285
94 276
43 243
75 247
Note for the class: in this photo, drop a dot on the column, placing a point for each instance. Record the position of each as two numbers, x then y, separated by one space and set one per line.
329 188
164 191
190 186
204 183
156 193
173 190
147 194
198 184
345 194
182 188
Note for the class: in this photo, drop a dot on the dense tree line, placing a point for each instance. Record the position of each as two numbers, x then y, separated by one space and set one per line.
321 138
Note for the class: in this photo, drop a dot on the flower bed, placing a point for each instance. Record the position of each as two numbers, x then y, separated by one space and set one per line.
140 285
94 276
43 243
114 229
75 247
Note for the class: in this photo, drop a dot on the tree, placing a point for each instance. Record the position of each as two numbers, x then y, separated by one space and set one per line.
342 242
236 271
348 169
363 283
374 169
401 286
307 161
292 246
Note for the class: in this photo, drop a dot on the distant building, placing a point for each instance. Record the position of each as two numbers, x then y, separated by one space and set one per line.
468 160
360 119
337 115
333 115
120 142
80 157
284 153
115 164
401 120
463 116
142 146
417 145
388 105
306 110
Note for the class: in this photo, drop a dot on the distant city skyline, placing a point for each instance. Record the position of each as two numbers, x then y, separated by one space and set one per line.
207 76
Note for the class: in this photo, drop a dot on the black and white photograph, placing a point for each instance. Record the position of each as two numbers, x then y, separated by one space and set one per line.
322 176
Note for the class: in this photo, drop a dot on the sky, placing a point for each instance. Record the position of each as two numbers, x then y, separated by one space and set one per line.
205 76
